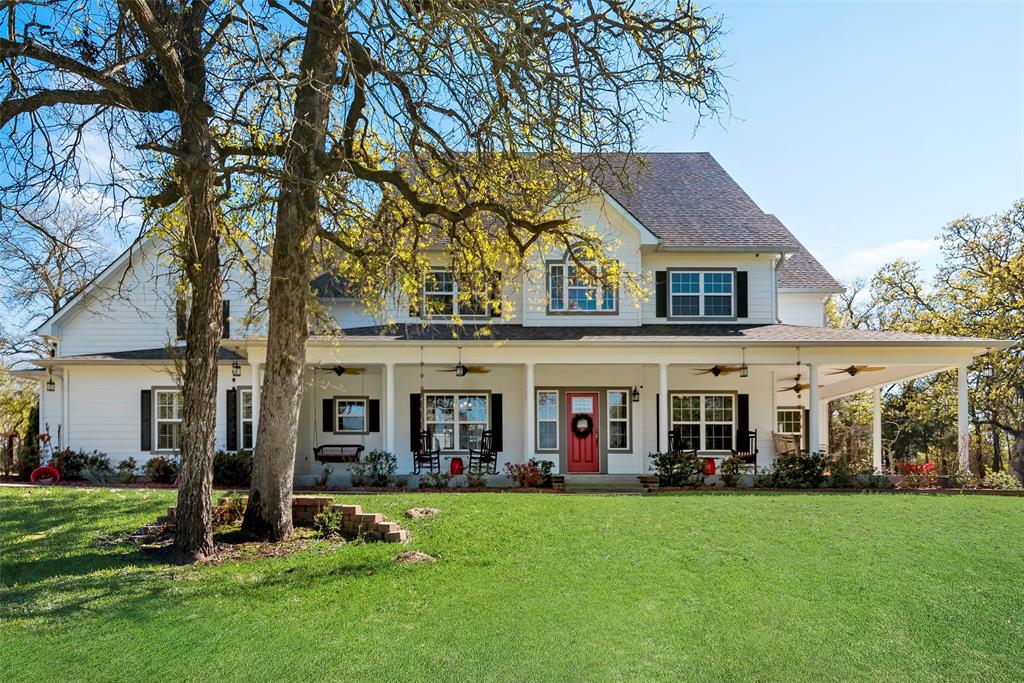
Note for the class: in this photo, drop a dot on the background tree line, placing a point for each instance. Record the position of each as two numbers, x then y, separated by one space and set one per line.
977 291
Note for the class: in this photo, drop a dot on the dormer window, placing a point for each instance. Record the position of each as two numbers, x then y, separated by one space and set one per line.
702 294
572 290
442 298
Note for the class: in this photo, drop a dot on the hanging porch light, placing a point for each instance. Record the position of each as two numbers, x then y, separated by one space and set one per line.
50 384
744 370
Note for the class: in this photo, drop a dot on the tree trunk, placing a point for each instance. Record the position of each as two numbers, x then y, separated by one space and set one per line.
1017 457
269 513
997 449
200 255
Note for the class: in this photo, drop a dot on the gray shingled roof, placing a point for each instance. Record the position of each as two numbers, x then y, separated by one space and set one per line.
801 270
160 354
328 286
669 333
689 202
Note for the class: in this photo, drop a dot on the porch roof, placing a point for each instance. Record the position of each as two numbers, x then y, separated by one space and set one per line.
161 355
702 334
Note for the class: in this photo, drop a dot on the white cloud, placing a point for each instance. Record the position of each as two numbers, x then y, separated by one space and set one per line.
847 262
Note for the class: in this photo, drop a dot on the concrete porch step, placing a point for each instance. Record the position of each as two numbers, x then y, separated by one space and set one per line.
603 483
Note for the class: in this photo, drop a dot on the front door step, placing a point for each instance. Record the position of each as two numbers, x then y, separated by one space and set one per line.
600 483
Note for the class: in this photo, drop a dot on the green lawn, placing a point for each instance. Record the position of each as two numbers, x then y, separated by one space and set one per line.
532 587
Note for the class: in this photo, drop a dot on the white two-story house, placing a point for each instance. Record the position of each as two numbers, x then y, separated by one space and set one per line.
729 347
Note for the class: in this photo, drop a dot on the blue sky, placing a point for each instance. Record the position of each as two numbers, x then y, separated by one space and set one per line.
865 127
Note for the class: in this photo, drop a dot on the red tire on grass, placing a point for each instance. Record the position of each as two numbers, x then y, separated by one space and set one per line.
45 474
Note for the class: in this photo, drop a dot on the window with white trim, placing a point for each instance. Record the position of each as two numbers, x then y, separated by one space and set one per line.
618 419
695 294
245 419
350 416
704 422
442 297
547 420
571 289
456 422
168 419
790 421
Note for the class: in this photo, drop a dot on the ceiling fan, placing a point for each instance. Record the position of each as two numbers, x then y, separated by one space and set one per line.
461 370
717 370
855 370
797 388
341 370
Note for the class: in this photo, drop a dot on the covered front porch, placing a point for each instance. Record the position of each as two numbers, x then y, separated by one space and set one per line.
593 405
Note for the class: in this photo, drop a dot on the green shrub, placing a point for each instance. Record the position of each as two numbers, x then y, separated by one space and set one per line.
374 469
28 457
798 471
73 464
677 468
435 480
523 473
229 513
544 467
475 481
162 470
232 468
1003 481
126 470
328 521
730 469
324 476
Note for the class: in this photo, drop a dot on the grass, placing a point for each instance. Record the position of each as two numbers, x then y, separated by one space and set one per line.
532 587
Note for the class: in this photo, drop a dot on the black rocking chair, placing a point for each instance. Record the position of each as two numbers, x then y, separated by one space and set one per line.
746 448
426 456
484 460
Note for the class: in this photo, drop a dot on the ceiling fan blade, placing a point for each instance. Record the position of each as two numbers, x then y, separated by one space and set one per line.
446 370
703 372
838 372
868 368
477 369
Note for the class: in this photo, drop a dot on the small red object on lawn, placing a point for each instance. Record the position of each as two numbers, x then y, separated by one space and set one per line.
45 474
456 466
709 467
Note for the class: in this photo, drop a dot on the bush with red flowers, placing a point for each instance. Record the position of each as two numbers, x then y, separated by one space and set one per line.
525 474
917 475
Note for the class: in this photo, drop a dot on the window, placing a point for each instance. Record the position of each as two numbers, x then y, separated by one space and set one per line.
703 422
441 298
168 419
791 421
456 422
350 415
571 289
547 420
618 420
245 419
696 294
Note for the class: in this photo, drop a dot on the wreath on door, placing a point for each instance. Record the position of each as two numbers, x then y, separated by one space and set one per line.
582 425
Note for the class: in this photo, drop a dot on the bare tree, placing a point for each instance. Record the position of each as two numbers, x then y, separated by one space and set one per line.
476 124
132 78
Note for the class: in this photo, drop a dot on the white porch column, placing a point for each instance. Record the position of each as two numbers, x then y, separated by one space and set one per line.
962 420
876 428
529 406
390 444
663 444
257 390
814 412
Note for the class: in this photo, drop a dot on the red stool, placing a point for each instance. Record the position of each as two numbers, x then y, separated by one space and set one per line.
709 467
456 466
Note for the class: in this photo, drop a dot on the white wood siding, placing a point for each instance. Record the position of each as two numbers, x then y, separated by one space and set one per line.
802 308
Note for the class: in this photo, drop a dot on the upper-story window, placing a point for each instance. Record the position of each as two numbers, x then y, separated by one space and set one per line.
442 298
571 289
702 294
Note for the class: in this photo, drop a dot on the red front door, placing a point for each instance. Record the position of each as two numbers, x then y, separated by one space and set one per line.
582 452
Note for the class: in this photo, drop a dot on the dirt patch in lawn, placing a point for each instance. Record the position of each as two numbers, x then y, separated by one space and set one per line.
417 513
414 557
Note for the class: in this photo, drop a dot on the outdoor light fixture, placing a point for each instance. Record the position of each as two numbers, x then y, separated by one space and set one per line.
461 370
636 395
744 370
236 369
50 384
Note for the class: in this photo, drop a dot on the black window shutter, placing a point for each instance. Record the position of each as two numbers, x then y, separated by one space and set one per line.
231 413
226 318
146 421
741 294
414 421
742 421
657 422
374 416
496 429
328 406
661 294
805 433
180 319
